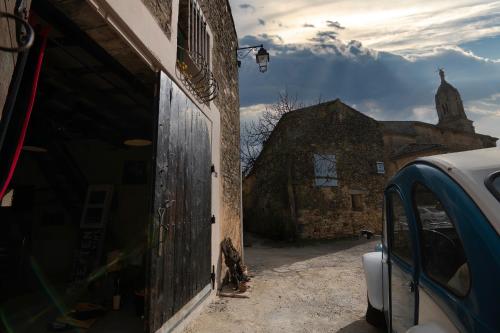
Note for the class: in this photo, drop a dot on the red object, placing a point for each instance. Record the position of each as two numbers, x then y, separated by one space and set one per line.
20 143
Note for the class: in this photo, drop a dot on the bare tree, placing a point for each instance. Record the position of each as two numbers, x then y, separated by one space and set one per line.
257 132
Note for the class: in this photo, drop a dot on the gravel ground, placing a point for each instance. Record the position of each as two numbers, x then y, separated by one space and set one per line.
318 287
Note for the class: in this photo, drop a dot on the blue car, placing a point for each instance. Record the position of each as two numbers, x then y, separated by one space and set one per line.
439 266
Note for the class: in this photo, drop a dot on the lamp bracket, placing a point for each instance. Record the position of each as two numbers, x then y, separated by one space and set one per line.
242 52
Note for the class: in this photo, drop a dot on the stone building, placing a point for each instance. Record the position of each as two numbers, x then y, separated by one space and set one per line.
129 172
406 140
322 172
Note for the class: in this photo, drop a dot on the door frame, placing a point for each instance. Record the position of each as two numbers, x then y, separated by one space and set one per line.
394 259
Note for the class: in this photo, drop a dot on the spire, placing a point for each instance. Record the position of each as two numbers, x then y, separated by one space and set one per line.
450 108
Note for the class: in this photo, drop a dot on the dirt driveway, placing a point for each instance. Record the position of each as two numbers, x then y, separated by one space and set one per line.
313 288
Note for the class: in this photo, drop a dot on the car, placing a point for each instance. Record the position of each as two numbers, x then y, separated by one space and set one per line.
438 267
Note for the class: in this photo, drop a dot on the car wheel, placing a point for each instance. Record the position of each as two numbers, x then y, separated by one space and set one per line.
374 317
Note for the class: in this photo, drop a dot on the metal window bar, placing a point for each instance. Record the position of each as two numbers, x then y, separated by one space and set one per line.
188 11
198 28
208 50
202 37
195 39
193 27
203 34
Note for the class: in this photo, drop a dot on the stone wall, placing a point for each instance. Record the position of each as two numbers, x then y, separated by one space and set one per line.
281 199
225 69
399 134
7 60
162 11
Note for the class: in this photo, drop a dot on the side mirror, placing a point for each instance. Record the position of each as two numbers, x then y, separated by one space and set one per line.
367 234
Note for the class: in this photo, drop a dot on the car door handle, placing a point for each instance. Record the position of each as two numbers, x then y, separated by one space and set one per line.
411 286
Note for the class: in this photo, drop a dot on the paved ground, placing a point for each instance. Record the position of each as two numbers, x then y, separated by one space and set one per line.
312 288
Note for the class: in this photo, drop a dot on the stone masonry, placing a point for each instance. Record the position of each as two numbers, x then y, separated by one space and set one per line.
162 11
225 69
280 196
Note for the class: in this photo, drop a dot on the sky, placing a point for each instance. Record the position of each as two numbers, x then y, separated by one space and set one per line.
379 56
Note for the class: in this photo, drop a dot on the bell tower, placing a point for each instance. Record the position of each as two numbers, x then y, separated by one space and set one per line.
450 108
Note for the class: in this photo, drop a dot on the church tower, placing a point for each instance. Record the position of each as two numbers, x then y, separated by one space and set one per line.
450 108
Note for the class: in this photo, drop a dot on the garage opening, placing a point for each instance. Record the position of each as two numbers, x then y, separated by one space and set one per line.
74 225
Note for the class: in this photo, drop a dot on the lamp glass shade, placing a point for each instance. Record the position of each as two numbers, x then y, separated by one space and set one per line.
35 149
137 142
262 57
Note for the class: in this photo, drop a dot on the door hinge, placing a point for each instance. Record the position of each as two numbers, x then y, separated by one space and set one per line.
212 219
212 277
212 170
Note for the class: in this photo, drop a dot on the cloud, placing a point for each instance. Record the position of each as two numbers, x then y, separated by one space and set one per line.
307 25
252 112
332 24
402 27
261 22
384 85
272 39
324 36
247 6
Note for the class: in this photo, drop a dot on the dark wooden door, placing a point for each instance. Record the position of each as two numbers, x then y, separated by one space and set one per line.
180 234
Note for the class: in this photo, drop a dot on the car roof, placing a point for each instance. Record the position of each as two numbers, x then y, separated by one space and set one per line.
470 169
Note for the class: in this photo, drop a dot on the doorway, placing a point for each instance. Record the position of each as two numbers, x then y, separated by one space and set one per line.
74 236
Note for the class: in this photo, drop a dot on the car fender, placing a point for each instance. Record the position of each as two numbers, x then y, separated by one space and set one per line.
427 328
372 265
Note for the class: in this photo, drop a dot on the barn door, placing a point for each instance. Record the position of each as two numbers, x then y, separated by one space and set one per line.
180 235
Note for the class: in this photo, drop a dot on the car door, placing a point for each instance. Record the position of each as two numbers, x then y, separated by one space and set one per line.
403 291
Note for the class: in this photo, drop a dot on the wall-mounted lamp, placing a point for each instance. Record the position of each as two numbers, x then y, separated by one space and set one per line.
261 57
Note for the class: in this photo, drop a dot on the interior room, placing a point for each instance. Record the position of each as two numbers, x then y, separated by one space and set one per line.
73 239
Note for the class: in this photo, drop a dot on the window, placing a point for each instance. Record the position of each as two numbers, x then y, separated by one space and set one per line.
493 184
380 168
443 255
192 34
400 233
325 170
193 52
357 202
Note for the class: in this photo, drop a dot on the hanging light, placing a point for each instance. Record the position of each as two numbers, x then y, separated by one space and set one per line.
262 59
137 142
261 56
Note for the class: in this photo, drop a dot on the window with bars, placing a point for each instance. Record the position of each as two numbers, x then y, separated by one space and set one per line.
193 40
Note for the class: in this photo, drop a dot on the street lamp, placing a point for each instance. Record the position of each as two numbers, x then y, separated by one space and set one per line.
261 57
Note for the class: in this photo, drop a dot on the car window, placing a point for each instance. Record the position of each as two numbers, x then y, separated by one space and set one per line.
493 184
443 255
400 234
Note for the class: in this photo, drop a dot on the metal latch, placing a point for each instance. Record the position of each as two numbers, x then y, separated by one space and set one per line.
162 227
212 277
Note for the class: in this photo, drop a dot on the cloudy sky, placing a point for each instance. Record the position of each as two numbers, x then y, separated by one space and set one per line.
379 56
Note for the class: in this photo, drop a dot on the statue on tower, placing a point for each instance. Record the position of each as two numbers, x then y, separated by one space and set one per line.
441 74
450 108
